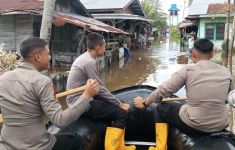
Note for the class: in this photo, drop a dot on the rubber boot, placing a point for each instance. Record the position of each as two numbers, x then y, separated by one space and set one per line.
114 139
123 146
161 136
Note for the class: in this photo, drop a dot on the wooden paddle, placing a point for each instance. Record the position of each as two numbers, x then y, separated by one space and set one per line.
82 88
70 92
73 91
174 99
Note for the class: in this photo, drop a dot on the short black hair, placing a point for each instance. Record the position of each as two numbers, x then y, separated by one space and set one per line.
94 39
30 45
204 46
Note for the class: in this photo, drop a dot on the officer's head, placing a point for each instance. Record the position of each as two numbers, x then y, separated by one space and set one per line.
203 50
96 43
35 51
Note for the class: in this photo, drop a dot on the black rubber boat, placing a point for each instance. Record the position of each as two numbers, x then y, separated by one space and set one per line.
140 129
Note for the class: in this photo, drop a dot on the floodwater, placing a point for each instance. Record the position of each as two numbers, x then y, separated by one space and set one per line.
150 66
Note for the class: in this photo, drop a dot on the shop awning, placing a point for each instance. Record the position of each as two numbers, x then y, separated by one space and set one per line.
186 24
59 19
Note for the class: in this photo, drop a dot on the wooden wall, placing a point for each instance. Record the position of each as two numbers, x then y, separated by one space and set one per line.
13 29
7 32
23 29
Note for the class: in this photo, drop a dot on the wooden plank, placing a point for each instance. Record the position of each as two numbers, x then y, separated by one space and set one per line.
7 28
26 28
23 29
6 24
7 34
6 19
23 18
70 92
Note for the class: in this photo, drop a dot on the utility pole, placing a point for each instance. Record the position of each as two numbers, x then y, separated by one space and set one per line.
231 43
227 35
184 8
45 32
231 110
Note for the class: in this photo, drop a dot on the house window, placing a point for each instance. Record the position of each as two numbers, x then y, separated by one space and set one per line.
220 27
210 31
215 31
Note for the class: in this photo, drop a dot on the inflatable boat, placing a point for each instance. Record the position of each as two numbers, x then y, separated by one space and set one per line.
140 129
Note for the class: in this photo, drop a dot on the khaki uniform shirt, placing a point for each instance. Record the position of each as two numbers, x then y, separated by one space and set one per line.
207 85
84 68
25 96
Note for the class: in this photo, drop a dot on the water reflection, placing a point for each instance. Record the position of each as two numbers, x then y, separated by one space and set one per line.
151 67
129 72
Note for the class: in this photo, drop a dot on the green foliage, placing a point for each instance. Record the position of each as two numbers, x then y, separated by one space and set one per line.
174 33
154 13
8 60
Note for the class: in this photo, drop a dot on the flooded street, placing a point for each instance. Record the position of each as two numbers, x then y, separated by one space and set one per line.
152 67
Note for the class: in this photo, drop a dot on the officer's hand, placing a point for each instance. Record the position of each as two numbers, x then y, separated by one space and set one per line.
138 102
92 88
125 106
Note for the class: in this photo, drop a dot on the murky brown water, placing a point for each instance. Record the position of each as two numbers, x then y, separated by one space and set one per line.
151 67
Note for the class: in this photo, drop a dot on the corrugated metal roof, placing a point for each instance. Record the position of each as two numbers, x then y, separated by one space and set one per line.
219 8
186 23
24 6
111 5
93 24
105 4
199 7
216 8
120 16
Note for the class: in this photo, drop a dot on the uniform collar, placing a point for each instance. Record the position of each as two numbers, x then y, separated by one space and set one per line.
90 55
27 66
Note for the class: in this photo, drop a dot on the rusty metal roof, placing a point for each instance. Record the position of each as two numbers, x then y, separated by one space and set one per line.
21 6
11 7
60 19
186 23
219 8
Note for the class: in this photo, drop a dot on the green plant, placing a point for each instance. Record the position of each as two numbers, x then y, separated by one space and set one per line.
8 60
174 33
155 13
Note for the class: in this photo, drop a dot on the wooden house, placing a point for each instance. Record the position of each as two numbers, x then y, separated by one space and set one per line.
71 22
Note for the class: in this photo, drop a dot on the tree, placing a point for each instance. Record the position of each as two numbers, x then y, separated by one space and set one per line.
154 13
45 32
